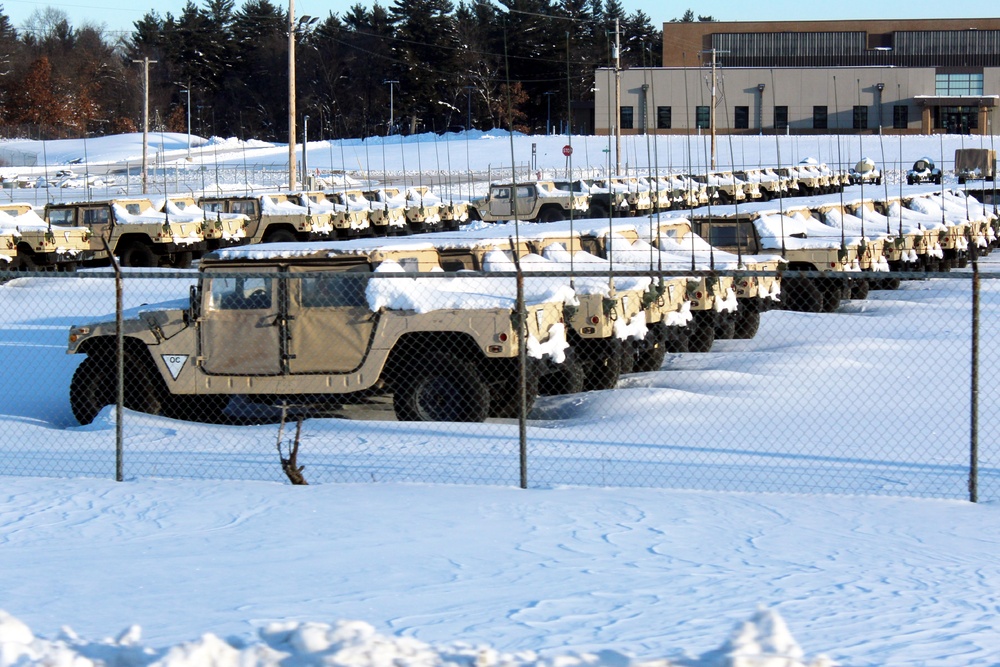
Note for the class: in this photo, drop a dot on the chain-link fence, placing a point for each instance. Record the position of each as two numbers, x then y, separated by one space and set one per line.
373 377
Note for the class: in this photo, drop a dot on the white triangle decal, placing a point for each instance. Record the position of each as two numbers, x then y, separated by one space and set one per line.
175 363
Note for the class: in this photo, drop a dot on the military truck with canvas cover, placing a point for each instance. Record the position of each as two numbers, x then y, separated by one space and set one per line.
975 164
220 230
37 245
533 201
802 241
136 233
328 324
273 218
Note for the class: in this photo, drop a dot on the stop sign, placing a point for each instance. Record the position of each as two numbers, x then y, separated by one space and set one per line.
567 150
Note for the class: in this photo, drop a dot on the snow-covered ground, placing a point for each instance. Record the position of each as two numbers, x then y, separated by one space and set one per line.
782 452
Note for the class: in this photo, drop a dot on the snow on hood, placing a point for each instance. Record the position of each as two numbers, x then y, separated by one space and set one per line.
147 217
763 641
800 232
271 207
28 221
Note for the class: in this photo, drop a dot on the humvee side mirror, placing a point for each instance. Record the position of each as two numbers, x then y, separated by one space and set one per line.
195 303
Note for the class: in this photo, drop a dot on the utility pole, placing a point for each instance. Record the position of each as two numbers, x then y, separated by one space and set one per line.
618 98
291 95
145 121
305 145
711 110
391 110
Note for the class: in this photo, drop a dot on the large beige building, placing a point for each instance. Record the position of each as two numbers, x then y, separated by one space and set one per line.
913 76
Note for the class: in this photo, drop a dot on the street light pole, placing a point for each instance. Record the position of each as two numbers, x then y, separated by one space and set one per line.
291 95
468 109
188 91
305 143
145 122
391 110
548 115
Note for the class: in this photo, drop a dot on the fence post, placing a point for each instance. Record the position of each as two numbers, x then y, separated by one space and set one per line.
119 365
522 373
974 390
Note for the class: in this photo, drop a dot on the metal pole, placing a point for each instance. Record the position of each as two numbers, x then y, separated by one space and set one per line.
618 100
974 393
145 121
468 107
291 95
711 110
392 110
305 160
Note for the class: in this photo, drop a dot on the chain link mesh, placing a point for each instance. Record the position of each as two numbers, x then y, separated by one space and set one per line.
416 377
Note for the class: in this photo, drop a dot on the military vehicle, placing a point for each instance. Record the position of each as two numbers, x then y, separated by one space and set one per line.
754 289
535 201
975 164
219 229
865 172
385 218
136 233
803 242
421 216
769 184
39 246
348 217
272 218
603 202
923 171
329 325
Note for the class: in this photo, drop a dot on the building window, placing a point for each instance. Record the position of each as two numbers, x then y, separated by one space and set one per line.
627 118
860 117
741 119
819 118
781 118
663 118
900 117
702 118
952 85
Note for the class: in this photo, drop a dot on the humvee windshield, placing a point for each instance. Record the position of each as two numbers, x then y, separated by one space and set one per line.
62 216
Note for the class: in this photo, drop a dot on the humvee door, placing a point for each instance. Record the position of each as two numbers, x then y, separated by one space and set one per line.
240 325
330 325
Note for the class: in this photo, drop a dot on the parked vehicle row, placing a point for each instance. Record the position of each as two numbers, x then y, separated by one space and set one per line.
602 298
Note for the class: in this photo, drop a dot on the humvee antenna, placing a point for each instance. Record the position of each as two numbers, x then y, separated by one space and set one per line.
781 198
840 159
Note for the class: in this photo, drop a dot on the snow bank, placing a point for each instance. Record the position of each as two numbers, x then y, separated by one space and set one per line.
762 641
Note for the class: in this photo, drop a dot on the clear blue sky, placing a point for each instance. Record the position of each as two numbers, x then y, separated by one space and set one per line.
118 15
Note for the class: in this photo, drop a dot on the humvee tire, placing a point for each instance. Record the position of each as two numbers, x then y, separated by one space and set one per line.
832 293
725 326
860 288
92 388
567 379
441 388
701 337
651 357
280 236
747 323
183 259
551 214
505 389
138 255
602 363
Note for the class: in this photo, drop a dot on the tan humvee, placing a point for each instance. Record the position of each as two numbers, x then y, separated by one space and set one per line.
756 291
349 218
38 245
421 216
535 201
333 325
803 242
219 229
138 234
273 218
384 220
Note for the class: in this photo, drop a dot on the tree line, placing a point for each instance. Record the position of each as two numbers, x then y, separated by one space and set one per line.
424 65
